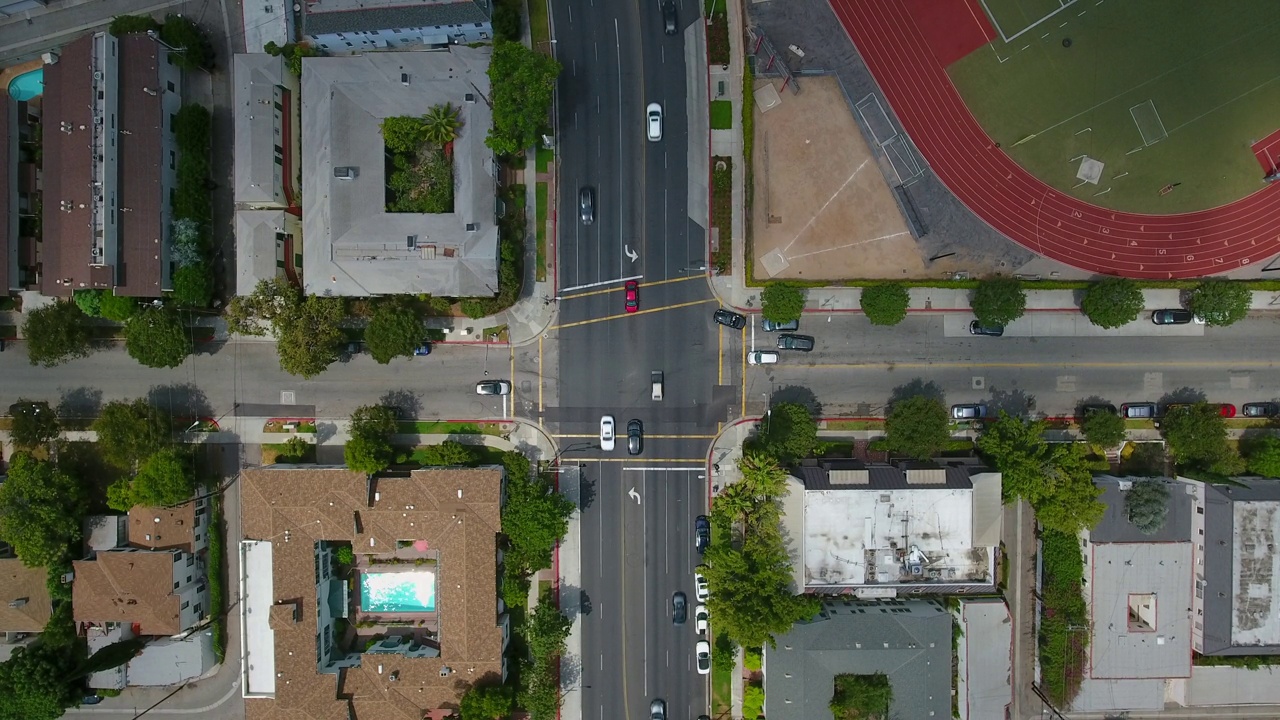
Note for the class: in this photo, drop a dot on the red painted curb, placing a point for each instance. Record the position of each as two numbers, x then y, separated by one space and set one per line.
468 342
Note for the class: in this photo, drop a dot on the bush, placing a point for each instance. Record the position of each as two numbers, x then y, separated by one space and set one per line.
132 24
752 701
118 308
472 308
751 659
885 304
193 286
217 601
89 302
188 247
1112 303
1264 456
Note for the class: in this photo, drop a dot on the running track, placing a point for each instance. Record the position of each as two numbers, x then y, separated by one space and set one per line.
1022 207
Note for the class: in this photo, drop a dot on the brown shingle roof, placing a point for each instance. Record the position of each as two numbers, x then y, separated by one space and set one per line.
456 511
142 118
127 587
19 582
67 160
167 527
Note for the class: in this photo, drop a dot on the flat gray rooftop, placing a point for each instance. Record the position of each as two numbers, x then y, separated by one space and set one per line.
353 246
1140 604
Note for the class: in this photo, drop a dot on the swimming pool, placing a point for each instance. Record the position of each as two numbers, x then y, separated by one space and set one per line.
27 85
398 592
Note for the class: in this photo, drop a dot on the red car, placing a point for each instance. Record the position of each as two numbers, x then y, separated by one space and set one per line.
633 295
1227 410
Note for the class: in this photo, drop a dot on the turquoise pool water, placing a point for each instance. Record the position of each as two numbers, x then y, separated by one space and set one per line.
27 85
398 592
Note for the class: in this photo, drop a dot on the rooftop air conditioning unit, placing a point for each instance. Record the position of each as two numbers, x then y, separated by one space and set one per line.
469 97
345 172
472 227
404 79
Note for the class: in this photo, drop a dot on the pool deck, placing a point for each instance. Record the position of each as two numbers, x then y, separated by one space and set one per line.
8 74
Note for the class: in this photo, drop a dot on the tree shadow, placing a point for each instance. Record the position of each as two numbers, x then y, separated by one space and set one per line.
799 395
325 431
570 670
1016 403
181 400
1183 395
1148 459
918 387
81 402
1092 400
586 489
406 402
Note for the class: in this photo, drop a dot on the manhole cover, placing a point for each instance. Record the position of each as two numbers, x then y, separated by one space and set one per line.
979 383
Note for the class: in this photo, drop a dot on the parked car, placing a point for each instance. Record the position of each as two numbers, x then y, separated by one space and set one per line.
1094 408
1260 409
700 589
969 411
606 433
423 349
1174 316
1138 411
353 348
635 437
700 619
493 387
703 652
728 318
771 326
977 328
653 116
762 357
679 608
803 343
91 699
587 205
701 533
669 20
1227 410
657 710
632 290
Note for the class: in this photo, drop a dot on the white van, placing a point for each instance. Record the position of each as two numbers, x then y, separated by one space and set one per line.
656 380
762 357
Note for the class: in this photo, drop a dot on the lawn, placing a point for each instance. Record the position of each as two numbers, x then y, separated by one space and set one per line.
545 156
441 427
854 425
539 25
721 115
1203 67
540 220
721 691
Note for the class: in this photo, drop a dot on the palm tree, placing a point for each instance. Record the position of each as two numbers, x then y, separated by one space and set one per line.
442 124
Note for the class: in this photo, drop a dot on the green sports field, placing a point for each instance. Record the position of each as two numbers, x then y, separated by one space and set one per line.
1162 92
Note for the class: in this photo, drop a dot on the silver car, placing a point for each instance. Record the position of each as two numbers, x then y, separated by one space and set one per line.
658 710
968 411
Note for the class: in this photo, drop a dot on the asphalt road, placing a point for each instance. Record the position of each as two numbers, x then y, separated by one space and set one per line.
857 369
617 60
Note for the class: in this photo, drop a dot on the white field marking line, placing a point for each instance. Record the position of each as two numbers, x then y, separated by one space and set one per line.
1228 102
1133 114
1161 75
827 203
598 284
1033 25
849 245
995 22
903 151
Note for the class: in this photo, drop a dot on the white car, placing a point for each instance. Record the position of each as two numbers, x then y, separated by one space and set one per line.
606 433
700 618
701 591
762 357
704 657
653 115
493 387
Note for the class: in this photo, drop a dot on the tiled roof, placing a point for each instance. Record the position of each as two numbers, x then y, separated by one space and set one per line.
67 160
456 511
167 527
465 12
141 125
19 582
127 587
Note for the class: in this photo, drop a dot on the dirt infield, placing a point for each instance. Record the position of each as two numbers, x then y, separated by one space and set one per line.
822 209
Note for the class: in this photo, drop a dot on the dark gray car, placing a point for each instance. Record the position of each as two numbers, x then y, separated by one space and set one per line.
587 204
635 437
803 343
669 21
679 608
771 326
728 318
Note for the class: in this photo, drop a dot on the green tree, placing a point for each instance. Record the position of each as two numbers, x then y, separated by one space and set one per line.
294 451
999 301
132 24
1112 303
37 683
442 123
164 479
781 302
861 696
403 133
369 450
118 308
1147 503
523 83
789 432
547 628
40 510
394 331
272 302
1104 429
534 517
1264 456
195 51
131 431
447 453
1197 439
1220 302
156 338
311 341
193 285
487 702
34 423
89 302
55 334
917 427
885 304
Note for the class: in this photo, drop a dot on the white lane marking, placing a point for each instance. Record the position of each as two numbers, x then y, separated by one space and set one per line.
598 284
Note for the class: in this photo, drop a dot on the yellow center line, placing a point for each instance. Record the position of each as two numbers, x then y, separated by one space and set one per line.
1059 364
696 461
616 288
575 436
620 316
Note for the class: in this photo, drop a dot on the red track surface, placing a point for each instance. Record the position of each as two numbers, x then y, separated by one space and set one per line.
1022 207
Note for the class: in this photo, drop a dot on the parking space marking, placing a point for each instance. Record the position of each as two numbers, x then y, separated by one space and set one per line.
1153 383
1066 383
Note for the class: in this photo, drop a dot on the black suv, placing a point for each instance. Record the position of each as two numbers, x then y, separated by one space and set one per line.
803 343
635 437
701 533
728 318
669 17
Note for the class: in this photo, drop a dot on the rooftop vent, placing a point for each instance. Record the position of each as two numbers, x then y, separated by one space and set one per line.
469 97
411 242
472 227
404 79
346 172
